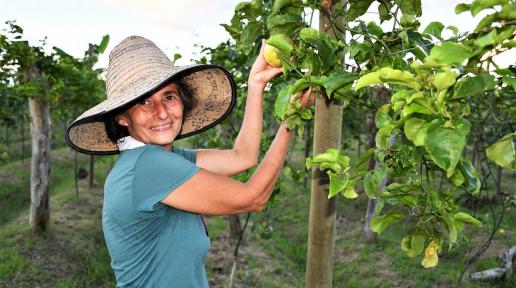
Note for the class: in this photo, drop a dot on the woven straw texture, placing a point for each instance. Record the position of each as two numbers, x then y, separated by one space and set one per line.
137 67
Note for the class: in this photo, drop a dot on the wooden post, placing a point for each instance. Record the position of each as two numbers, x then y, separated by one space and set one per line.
92 157
40 161
321 230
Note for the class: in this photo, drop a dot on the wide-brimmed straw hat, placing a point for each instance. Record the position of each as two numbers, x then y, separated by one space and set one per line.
137 68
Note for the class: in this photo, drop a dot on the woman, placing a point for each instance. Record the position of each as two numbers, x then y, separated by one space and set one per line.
155 193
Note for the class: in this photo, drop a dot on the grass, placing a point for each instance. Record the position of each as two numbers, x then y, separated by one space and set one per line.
73 253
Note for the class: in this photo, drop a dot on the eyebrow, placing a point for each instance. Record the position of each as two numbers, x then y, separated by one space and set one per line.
171 90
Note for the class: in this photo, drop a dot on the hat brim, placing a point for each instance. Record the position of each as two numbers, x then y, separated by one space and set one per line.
211 85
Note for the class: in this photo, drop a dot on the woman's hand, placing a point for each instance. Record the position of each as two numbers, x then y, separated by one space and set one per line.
261 72
305 98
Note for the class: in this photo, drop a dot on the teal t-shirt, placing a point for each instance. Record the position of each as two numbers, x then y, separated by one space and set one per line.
152 244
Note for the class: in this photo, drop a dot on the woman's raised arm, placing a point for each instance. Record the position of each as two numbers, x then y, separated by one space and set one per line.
209 193
246 148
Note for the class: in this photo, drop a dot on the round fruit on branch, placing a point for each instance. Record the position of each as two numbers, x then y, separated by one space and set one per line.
277 47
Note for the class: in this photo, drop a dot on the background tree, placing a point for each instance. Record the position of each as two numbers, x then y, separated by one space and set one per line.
30 73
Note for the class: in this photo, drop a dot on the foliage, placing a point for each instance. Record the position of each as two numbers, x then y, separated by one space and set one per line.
65 82
434 83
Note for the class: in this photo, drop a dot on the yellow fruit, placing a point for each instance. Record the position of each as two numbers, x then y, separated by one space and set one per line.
430 260
270 53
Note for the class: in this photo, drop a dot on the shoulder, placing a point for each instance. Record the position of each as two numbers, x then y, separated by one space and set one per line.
189 154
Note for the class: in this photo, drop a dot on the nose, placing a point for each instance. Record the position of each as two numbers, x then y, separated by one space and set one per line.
161 110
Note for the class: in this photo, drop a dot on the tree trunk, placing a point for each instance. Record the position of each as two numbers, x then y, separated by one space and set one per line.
40 165
92 168
6 133
370 236
76 173
22 132
321 227
308 131
382 95
505 267
235 228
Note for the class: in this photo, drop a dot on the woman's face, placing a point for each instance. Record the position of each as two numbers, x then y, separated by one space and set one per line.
157 119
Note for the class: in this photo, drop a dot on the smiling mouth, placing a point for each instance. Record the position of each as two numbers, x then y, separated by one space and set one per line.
161 127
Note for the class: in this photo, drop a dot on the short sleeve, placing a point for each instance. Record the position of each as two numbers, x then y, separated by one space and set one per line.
189 154
157 173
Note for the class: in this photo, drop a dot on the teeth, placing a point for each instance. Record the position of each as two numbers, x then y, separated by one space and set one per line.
161 128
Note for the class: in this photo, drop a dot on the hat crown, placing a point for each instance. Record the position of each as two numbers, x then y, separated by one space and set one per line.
135 65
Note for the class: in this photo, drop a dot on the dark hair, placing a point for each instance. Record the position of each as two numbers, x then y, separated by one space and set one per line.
116 131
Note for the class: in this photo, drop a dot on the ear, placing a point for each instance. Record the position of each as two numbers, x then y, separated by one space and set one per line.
121 119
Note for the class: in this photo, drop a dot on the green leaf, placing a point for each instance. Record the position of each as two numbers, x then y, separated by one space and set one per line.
249 35
413 244
380 223
309 35
503 152
363 161
281 104
444 143
384 9
479 5
466 218
383 136
409 21
434 28
436 201
486 21
457 178
408 200
282 42
510 81
450 53
411 7
454 29
401 95
389 75
368 79
331 159
470 175
357 8
281 4
462 7
412 127
338 80
176 57
445 79
474 86
508 12
336 184
452 227
422 106
103 44
382 116
422 134
305 82
486 40
374 29
404 37
341 185
284 23
350 192
372 181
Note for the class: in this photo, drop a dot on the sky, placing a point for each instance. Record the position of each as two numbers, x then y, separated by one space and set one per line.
174 25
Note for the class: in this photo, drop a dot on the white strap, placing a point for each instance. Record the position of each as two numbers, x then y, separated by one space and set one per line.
128 142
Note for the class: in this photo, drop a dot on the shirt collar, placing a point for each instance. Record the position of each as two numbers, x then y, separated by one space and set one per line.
128 142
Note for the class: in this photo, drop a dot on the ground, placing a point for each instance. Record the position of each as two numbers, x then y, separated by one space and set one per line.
72 252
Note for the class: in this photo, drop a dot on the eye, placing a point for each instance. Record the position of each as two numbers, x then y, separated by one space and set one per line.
171 97
144 102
